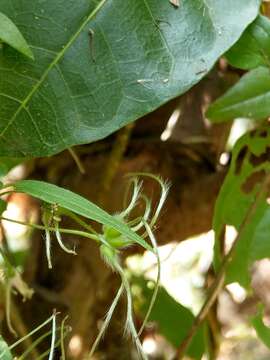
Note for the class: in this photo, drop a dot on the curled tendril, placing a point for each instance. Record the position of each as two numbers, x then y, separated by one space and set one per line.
53 336
164 185
155 292
51 219
8 310
113 241
137 185
146 215
107 320
60 242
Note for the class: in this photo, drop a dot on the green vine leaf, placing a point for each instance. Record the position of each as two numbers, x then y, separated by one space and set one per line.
249 167
101 64
249 98
11 35
67 199
253 47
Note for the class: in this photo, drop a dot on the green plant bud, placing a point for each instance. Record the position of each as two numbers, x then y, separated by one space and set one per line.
110 233
114 237
120 242
108 254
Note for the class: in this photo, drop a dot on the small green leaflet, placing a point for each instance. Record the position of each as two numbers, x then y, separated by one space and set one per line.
253 47
249 98
4 350
11 35
69 200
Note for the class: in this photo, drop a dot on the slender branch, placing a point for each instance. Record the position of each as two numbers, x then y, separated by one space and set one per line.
219 281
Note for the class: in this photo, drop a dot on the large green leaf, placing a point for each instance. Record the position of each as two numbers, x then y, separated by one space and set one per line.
101 64
69 200
253 48
11 35
249 167
249 98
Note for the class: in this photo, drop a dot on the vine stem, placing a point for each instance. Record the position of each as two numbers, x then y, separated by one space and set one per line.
220 278
64 231
118 150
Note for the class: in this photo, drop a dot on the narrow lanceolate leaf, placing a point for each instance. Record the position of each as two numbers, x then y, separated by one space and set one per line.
249 98
101 64
11 35
253 47
239 194
67 199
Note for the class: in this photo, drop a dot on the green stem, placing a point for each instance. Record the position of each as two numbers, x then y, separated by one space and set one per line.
63 338
42 356
34 344
28 335
62 230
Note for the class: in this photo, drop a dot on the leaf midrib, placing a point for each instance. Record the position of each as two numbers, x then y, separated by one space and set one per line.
52 64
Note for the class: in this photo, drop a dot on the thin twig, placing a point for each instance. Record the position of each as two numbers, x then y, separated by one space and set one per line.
77 160
219 281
